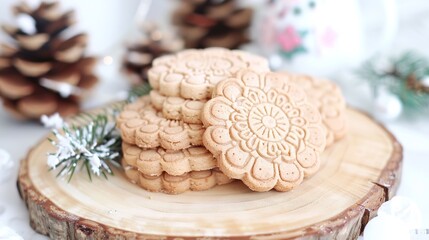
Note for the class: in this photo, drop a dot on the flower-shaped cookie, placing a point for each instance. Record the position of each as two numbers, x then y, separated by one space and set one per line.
192 74
263 131
166 183
177 108
155 161
327 97
140 124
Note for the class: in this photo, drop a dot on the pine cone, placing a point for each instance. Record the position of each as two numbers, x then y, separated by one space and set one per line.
416 85
140 54
213 23
43 72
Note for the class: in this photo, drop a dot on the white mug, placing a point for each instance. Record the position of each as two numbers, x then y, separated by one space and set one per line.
321 37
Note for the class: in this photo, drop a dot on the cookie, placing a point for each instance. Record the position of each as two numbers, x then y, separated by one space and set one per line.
142 125
177 108
131 110
262 130
155 161
327 97
192 74
193 181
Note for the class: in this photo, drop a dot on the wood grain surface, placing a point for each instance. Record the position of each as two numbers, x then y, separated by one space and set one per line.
357 175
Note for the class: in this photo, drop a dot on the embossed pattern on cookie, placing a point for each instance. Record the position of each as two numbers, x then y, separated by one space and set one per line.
192 181
131 110
327 97
154 162
263 131
177 108
145 127
192 74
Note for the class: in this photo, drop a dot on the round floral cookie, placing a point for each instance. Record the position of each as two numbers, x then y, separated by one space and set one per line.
177 108
192 74
263 131
327 97
166 183
155 161
142 125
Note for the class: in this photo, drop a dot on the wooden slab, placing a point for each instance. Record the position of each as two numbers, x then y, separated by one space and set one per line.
358 174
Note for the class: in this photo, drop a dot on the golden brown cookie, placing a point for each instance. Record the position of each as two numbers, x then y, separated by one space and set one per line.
155 161
327 97
140 103
131 110
177 108
142 125
193 181
192 74
263 131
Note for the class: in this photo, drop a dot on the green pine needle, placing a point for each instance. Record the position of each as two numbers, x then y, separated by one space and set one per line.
92 141
92 146
138 91
395 79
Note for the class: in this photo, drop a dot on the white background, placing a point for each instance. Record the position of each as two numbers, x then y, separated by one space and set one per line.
18 137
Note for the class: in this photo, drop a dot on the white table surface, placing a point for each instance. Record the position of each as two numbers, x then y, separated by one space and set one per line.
18 137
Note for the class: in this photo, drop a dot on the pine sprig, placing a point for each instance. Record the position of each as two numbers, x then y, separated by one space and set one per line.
91 141
138 91
111 111
92 146
403 76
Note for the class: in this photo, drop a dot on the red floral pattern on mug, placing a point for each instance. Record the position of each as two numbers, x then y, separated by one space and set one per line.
289 39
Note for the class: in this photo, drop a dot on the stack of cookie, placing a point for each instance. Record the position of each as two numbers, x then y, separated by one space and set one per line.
215 115
162 133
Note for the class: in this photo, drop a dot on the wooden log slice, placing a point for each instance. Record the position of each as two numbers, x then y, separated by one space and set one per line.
358 174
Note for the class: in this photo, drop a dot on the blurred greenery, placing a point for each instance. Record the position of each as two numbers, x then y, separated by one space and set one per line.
403 76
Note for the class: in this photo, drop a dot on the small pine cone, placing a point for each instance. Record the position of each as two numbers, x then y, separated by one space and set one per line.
140 53
213 23
42 72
